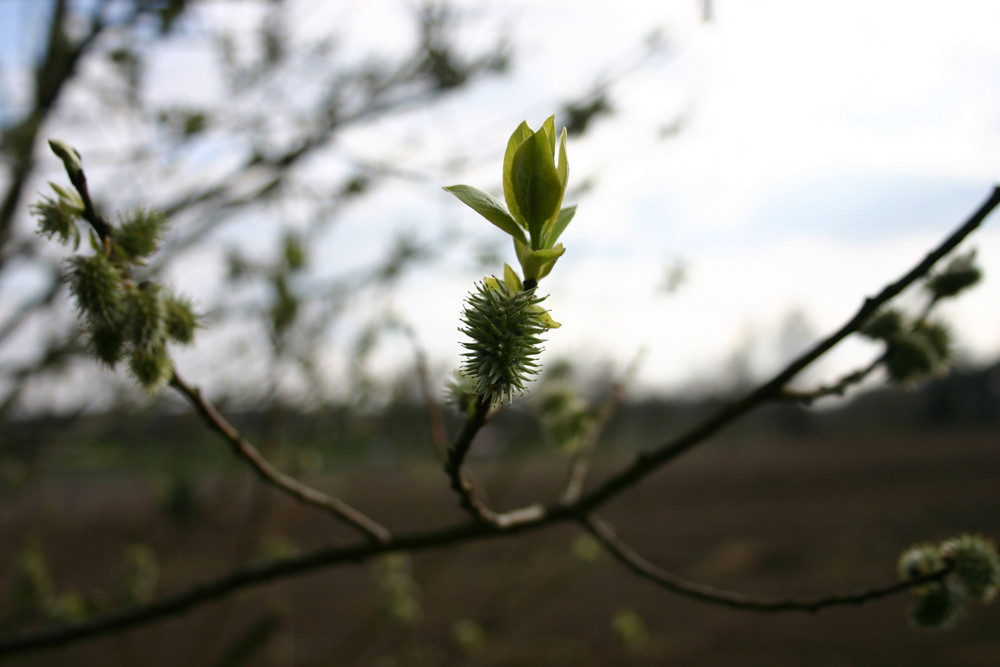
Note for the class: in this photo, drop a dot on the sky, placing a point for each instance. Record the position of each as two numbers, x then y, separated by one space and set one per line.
824 147
793 157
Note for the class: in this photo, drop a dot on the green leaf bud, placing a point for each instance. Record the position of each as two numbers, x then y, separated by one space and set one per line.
936 608
295 254
151 366
108 344
141 576
911 357
140 233
57 220
919 561
961 273
516 139
460 391
285 307
538 189
468 636
884 324
147 316
938 336
504 328
96 286
69 156
31 585
977 565
68 607
630 628
180 318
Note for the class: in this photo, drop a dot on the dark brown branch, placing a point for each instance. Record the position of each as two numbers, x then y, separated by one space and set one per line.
838 388
649 461
243 578
530 518
469 496
676 584
269 474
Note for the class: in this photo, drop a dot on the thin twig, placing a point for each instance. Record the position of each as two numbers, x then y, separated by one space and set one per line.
469 496
531 518
242 448
241 578
838 388
649 461
435 418
581 462
628 557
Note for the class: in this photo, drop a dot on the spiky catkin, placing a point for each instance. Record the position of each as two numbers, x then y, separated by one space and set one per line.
961 273
95 283
504 328
911 356
146 316
977 565
918 561
936 608
140 232
151 366
55 219
180 318
884 324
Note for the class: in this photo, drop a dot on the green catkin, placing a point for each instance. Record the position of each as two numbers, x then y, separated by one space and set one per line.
977 565
139 234
95 283
960 274
504 327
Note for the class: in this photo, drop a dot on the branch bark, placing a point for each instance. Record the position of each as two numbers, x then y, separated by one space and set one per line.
628 557
649 461
530 518
242 448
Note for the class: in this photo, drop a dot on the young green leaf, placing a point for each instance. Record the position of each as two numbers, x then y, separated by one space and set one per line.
520 135
487 206
555 228
549 127
563 160
537 187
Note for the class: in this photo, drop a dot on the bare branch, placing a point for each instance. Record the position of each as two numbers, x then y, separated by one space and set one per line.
624 554
270 475
469 496
647 462
581 462
529 518
242 578
838 388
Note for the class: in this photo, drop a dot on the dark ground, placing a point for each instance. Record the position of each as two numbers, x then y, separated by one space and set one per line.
774 516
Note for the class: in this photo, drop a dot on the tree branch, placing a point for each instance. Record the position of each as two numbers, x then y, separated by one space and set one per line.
512 523
469 496
269 474
838 388
625 555
649 461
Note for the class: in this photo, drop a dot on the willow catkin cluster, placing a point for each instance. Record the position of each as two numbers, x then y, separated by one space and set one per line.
504 327
973 577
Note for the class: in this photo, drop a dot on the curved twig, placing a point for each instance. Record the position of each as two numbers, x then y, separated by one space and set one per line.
628 557
269 474
469 496
649 461
508 524
838 388
581 462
